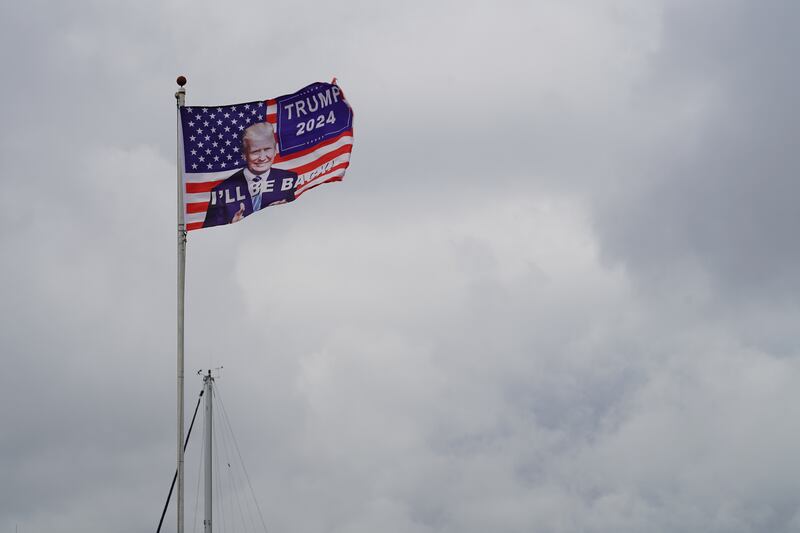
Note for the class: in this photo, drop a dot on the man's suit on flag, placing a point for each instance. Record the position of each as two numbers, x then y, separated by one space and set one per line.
228 197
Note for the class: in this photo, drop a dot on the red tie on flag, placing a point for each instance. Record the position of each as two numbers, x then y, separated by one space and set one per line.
239 159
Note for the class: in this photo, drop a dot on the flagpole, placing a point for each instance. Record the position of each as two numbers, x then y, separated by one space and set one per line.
180 96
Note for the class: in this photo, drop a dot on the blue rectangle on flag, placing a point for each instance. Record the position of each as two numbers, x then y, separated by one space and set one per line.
212 135
310 116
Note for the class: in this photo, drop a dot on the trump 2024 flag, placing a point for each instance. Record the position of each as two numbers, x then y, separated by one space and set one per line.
239 159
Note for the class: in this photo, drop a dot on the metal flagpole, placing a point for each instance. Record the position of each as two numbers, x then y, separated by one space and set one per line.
180 96
208 382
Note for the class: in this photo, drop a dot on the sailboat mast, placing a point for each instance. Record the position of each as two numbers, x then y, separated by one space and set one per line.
207 386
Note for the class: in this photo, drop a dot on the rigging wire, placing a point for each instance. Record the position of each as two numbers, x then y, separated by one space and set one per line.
246 517
175 477
199 477
231 475
226 418
218 480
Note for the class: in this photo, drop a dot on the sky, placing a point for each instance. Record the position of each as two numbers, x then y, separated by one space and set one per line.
557 290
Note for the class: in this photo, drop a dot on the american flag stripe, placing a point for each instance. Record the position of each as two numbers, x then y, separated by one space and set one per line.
316 163
335 174
331 144
197 207
202 187
272 112
205 177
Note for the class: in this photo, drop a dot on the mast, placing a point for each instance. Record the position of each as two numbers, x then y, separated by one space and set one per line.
208 382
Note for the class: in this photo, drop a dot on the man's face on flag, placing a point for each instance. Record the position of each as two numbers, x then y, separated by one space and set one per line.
259 151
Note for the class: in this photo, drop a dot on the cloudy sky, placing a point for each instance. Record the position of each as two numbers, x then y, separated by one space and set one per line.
557 290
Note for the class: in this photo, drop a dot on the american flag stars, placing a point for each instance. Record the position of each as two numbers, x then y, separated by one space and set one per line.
214 135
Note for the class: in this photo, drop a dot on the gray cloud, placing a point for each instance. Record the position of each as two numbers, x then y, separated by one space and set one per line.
555 290
715 190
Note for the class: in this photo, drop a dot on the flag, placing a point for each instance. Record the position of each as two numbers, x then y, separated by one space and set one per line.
239 159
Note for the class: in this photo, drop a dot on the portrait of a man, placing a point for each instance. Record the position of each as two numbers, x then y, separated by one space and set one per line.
255 186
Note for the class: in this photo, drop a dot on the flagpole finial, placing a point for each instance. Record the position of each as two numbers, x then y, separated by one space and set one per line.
181 80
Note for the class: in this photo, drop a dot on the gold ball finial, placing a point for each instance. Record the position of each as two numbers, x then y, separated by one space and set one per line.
181 80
